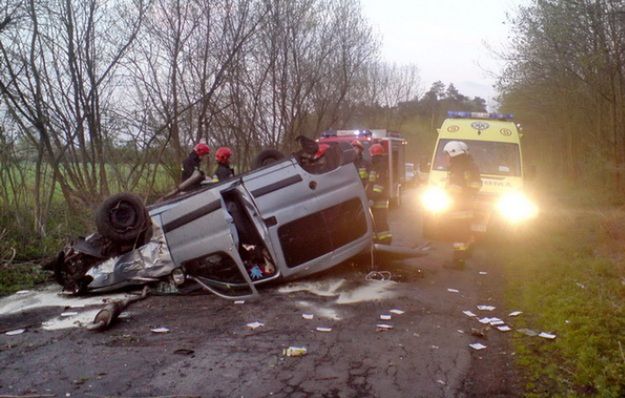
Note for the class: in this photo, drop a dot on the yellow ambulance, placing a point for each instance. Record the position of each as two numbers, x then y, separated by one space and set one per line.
494 143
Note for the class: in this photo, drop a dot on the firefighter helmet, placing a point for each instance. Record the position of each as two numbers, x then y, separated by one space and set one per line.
377 150
455 148
222 155
201 149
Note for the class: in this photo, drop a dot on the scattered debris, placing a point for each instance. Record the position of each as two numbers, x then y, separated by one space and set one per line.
69 313
477 346
434 347
479 332
381 327
308 316
439 381
496 322
580 285
294 351
324 329
385 317
20 292
396 311
460 331
107 315
239 302
184 351
484 320
469 313
485 307
378 276
15 332
515 313
255 325
528 332
161 329
504 328
450 290
483 273
546 335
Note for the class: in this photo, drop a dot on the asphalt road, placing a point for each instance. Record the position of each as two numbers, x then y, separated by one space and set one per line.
210 352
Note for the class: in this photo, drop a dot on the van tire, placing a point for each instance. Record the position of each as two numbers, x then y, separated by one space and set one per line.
267 157
122 218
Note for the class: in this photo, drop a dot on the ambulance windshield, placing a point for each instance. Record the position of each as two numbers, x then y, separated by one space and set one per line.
497 158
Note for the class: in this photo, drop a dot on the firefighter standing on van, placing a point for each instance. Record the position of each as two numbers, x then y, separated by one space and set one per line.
464 182
363 165
194 160
223 171
378 192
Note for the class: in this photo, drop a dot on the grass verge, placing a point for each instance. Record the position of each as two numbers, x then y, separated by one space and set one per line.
568 277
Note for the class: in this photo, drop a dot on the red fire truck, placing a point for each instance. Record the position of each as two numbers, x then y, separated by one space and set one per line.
392 142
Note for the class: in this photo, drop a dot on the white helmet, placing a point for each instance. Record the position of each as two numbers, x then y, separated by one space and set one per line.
455 148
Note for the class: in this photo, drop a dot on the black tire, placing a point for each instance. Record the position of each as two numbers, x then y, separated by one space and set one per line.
122 218
266 157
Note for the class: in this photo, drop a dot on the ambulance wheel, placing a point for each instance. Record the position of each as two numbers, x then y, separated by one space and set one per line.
122 218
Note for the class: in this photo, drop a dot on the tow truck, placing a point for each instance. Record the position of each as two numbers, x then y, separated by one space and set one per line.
394 145
494 142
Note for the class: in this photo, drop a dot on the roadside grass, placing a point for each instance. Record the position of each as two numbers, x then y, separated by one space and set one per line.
568 278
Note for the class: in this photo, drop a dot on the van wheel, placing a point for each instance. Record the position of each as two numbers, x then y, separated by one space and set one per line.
122 218
266 157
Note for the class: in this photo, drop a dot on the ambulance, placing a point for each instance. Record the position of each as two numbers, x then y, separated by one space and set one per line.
494 143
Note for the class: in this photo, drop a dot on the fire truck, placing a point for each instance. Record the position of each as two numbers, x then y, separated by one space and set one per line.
394 145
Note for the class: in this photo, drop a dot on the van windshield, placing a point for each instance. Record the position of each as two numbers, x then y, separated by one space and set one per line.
498 158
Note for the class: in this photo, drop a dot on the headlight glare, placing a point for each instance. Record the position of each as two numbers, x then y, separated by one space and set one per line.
435 200
515 207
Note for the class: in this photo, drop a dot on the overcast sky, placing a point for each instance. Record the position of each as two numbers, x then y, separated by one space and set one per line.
446 39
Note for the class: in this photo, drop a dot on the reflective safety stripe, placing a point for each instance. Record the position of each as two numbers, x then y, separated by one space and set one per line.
380 204
378 188
362 172
383 235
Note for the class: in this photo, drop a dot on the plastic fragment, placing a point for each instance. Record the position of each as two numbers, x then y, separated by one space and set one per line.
397 312
385 317
515 313
15 332
546 335
450 290
483 273
161 329
469 313
255 325
324 329
477 346
293 351
485 307
504 328
383 326
308 316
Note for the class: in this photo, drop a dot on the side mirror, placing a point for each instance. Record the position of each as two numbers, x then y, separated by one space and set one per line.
530 172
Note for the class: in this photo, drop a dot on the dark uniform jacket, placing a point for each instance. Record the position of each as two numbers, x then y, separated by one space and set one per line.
464 173
377 188
189 165
223 172
363 166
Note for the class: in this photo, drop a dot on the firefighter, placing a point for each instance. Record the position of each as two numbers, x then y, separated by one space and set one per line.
194 160
378 192
223 171
363 165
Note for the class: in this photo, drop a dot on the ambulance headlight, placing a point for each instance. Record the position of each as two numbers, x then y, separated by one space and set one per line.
515 207
436 200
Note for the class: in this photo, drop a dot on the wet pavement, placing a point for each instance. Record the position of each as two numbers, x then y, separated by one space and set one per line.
209 351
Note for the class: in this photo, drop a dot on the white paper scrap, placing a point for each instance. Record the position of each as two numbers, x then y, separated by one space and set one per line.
384 326
161 329
323 329
69 313
308 316
477 346
483 273
397 312
545 335
515 313
469 313
485 307
385 317
504 328
450 290
255 325
15 332
484 320
21 292
239 301
496 322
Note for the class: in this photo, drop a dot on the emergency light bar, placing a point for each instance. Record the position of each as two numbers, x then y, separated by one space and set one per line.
479 115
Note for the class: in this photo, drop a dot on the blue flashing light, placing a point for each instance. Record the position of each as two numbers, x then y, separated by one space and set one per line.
479 115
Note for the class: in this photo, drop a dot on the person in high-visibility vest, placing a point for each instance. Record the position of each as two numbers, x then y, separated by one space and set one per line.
378 192
362 165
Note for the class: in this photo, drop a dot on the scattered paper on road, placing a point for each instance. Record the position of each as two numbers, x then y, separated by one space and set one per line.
450 290
385 317
383 326
161 329
15 332
515 313
528 332
439 381
324 329
496 322
397 312
546 335
294 351
504 328
308 316
484 320
477 346
483 273
469 313
239 302
485 307
69 313
255 325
